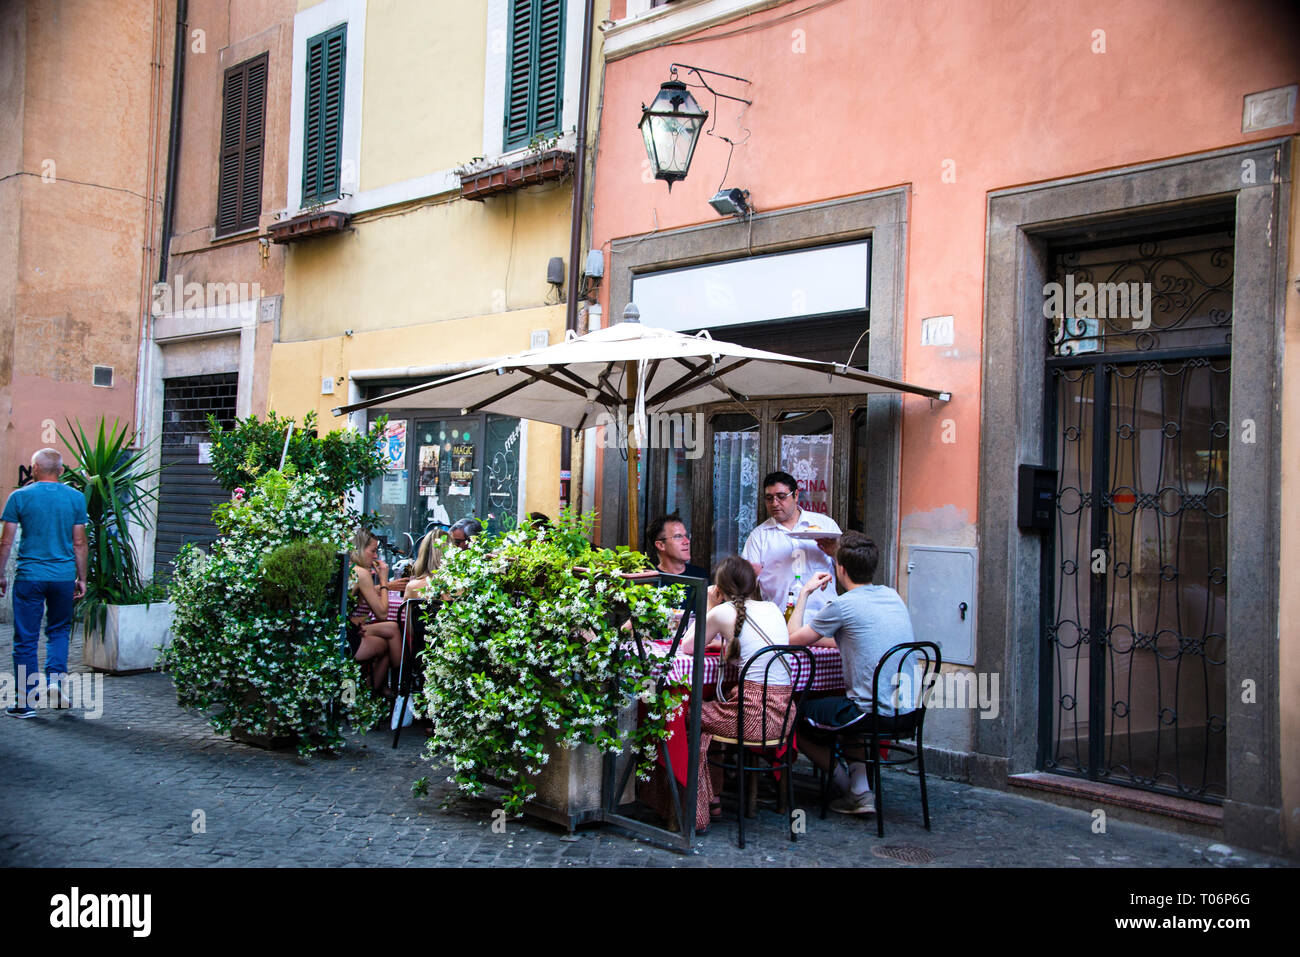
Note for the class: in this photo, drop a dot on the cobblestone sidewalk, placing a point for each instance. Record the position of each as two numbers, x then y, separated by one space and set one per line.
128 787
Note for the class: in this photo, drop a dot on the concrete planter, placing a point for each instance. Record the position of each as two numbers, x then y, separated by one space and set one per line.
570 785
132 638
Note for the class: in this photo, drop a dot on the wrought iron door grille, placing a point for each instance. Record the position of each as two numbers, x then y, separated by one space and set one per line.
1141 297
1135 642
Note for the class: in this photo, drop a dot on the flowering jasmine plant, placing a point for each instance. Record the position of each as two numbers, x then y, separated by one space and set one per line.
255 644
534 649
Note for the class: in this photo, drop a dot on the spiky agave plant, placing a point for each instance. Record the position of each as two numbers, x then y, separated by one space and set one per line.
113 478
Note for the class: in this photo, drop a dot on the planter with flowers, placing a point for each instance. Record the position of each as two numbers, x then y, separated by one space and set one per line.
530 671
256 632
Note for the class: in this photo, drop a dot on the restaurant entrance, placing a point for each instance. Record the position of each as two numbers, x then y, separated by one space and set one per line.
450 467
714 486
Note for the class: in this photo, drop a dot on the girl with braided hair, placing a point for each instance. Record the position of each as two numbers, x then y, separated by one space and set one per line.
742 624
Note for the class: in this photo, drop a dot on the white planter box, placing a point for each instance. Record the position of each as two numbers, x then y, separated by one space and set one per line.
132 639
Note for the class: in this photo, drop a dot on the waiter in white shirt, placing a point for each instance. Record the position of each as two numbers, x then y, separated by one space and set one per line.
777 557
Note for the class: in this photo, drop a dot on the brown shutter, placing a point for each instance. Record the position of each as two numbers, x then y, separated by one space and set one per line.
243 121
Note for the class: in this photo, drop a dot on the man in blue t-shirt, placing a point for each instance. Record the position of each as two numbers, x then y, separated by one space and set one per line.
864 622
51 574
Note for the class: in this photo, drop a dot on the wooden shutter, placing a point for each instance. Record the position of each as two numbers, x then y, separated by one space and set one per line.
534 71
243 121
323 130
550 72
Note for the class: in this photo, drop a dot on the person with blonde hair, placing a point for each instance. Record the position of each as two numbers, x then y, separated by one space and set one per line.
427 560
378 641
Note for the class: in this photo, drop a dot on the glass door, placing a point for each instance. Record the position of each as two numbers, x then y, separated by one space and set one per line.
447 482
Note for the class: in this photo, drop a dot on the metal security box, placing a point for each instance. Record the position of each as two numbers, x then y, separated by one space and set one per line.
941 599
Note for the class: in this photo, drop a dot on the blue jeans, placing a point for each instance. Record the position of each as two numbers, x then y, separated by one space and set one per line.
33 600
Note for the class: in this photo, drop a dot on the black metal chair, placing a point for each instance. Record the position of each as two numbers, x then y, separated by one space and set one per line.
410 677
772 750
909 681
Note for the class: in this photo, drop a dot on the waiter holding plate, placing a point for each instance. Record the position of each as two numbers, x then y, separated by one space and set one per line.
791 542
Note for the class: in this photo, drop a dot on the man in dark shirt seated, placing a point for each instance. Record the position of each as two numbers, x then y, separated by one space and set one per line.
669 547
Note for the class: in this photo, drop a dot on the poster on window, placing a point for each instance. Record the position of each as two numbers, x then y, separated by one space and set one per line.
808 459
392 445
462 469
394 487
428 470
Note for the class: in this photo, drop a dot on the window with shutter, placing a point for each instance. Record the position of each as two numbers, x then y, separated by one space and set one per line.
243 120
323 132
534 71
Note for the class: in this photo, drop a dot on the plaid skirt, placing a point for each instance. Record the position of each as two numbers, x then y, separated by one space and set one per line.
719 717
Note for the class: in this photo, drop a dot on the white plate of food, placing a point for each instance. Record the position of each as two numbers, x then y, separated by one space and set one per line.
813 534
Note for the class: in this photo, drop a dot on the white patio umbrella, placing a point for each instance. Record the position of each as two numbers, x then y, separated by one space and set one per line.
637 369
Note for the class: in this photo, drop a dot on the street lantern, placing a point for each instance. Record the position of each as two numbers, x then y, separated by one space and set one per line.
670 127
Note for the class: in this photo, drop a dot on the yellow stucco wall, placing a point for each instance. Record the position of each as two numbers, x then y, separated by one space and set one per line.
298 367
448 260
423 98
436 279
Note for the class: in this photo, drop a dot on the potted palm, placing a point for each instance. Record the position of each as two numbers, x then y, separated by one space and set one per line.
125 619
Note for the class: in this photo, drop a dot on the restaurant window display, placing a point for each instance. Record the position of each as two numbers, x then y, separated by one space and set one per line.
806 437
448 469
807 452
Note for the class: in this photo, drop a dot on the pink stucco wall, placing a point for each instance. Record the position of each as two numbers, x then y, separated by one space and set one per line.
885 94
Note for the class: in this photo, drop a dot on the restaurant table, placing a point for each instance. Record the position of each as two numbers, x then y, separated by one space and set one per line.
828 670
828 675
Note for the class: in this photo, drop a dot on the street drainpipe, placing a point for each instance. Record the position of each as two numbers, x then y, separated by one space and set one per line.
575 232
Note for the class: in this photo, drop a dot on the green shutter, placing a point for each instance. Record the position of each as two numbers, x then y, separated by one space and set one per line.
239 181
534 71
322 140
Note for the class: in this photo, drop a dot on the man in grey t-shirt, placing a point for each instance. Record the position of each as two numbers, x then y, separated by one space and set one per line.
864 622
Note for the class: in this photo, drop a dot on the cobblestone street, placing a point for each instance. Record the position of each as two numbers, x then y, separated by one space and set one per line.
123 790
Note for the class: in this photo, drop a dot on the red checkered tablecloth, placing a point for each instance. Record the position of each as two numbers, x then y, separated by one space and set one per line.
828 670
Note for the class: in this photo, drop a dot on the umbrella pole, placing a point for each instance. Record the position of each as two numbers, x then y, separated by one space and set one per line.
633 456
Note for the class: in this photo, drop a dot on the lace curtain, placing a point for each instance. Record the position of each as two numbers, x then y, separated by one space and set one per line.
735 490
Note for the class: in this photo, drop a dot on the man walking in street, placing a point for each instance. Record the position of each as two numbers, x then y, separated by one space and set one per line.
52 559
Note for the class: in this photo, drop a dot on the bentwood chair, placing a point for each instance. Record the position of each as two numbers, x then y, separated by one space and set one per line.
768 745
880 741
410 677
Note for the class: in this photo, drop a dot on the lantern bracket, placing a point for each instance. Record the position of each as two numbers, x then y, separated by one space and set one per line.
699 73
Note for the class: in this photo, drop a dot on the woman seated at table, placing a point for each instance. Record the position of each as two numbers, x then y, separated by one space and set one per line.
427 560
378 641
743 624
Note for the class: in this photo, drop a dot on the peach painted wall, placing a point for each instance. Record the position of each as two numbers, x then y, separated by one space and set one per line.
75 208
231 35
1001 94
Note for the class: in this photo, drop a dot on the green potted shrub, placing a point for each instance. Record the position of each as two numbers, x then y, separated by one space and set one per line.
256 635
530 669
344 458
125 619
